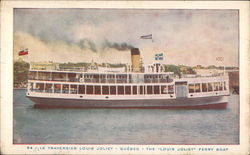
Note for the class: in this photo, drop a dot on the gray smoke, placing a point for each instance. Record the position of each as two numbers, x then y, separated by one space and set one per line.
118 46
87 44
91 45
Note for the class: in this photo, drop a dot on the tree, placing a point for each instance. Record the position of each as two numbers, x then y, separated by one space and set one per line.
173 68
21 69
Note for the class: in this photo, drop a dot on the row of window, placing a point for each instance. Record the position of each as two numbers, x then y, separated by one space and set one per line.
98 90
207 87
64 76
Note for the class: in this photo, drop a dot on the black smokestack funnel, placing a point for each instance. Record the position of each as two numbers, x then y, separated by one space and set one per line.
135 51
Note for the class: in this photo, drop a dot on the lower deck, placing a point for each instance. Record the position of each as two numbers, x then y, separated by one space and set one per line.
216 102
177 89
193 92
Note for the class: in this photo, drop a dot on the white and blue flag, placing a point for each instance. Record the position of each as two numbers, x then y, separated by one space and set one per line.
159 56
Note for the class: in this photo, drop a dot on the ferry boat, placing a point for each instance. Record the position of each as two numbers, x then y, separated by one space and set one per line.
134 86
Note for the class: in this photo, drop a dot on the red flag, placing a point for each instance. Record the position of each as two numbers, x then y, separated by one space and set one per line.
23 52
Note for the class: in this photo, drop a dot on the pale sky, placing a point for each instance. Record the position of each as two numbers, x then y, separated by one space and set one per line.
188 37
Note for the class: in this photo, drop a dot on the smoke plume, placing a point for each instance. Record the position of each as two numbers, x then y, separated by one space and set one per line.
118 46
87 44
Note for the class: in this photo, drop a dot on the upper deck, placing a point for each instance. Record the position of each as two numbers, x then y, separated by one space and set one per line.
79 76
134 73
100 77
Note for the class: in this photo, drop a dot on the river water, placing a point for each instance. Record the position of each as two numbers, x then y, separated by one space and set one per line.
124 126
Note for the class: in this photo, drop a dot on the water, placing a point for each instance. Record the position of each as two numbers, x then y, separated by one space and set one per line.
124 126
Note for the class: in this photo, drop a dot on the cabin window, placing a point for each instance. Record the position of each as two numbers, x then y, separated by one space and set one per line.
171 89
121 90
72 77
97 90
102 79
112 90
128 90
225 88
120 79
57 88
156 89
149 90
210 87
94 79
197 88
134 90
221 86
81 89
39 87
73 89
216 86
44 75
65 88
164 90
141 90
59 76
191 88
105 90
204 87
89 89
48 88
32 75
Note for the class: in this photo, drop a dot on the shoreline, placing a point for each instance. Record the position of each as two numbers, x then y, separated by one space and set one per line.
19 88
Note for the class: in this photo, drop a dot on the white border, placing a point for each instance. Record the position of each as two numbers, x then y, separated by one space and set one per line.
7 69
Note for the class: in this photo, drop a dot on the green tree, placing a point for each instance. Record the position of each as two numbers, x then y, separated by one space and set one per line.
190 70
21 69
173 68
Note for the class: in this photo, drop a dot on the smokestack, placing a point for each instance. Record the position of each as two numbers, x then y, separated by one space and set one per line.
135 58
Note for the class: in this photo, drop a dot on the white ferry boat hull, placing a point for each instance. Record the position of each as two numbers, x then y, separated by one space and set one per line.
215 102
136 85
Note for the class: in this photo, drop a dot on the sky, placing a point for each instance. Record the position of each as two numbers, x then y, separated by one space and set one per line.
186 37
